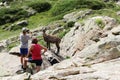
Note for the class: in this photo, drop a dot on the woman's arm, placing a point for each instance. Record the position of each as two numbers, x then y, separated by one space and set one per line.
44 48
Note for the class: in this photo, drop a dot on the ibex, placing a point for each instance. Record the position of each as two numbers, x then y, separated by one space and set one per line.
51 39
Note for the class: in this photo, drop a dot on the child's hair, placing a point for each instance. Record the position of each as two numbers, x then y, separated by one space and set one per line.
34 41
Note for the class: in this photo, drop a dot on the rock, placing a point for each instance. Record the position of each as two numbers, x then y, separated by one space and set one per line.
104 50
2 45
96 39
52 59
80 36
118 3
19 23
57 30
15 51
1 4
101 71
9 63
9 28
76 15
118 13
55 25
3 72
107 21
17 77
116 31
1 48
31 12
64 65
22 23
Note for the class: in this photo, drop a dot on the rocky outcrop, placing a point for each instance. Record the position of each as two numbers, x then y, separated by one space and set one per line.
106 49
82 36
101 71
15 51
74 16
116 30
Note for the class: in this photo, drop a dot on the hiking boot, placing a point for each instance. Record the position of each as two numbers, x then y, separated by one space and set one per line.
24 69
21 66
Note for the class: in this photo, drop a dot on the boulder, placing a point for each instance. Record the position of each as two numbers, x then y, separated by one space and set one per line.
118 3
74 16
22 23
31 12
116 30
106 49
118 13
57 30
15 51
81 36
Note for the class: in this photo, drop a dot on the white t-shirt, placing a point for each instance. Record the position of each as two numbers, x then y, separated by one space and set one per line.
24 40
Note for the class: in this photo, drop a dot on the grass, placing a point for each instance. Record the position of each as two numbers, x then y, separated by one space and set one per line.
67 57
41 41
8 34
44 18
62 6
100 23
81 21
35 21
40 19
18 3
62 33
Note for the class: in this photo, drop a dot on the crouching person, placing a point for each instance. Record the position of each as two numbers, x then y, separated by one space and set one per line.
35 52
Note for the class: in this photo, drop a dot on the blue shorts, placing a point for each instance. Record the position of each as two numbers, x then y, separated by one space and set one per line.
23 51
37 62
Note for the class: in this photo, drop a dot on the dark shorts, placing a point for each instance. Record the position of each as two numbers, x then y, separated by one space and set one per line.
23 51
37 62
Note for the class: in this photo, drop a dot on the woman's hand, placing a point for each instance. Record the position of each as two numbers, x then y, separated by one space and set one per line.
26 58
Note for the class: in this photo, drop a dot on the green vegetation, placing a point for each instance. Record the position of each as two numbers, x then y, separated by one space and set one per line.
41 41
49 11
67 57
63 6
62 33
6 0
7 34
11 15
43 18
41 6
81 21
70 24
100 23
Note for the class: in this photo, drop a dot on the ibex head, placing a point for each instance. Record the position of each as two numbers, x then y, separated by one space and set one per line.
44 29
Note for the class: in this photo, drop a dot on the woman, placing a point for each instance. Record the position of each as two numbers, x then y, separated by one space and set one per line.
35 51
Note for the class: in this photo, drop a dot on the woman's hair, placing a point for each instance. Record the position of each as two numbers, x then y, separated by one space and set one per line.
34 41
